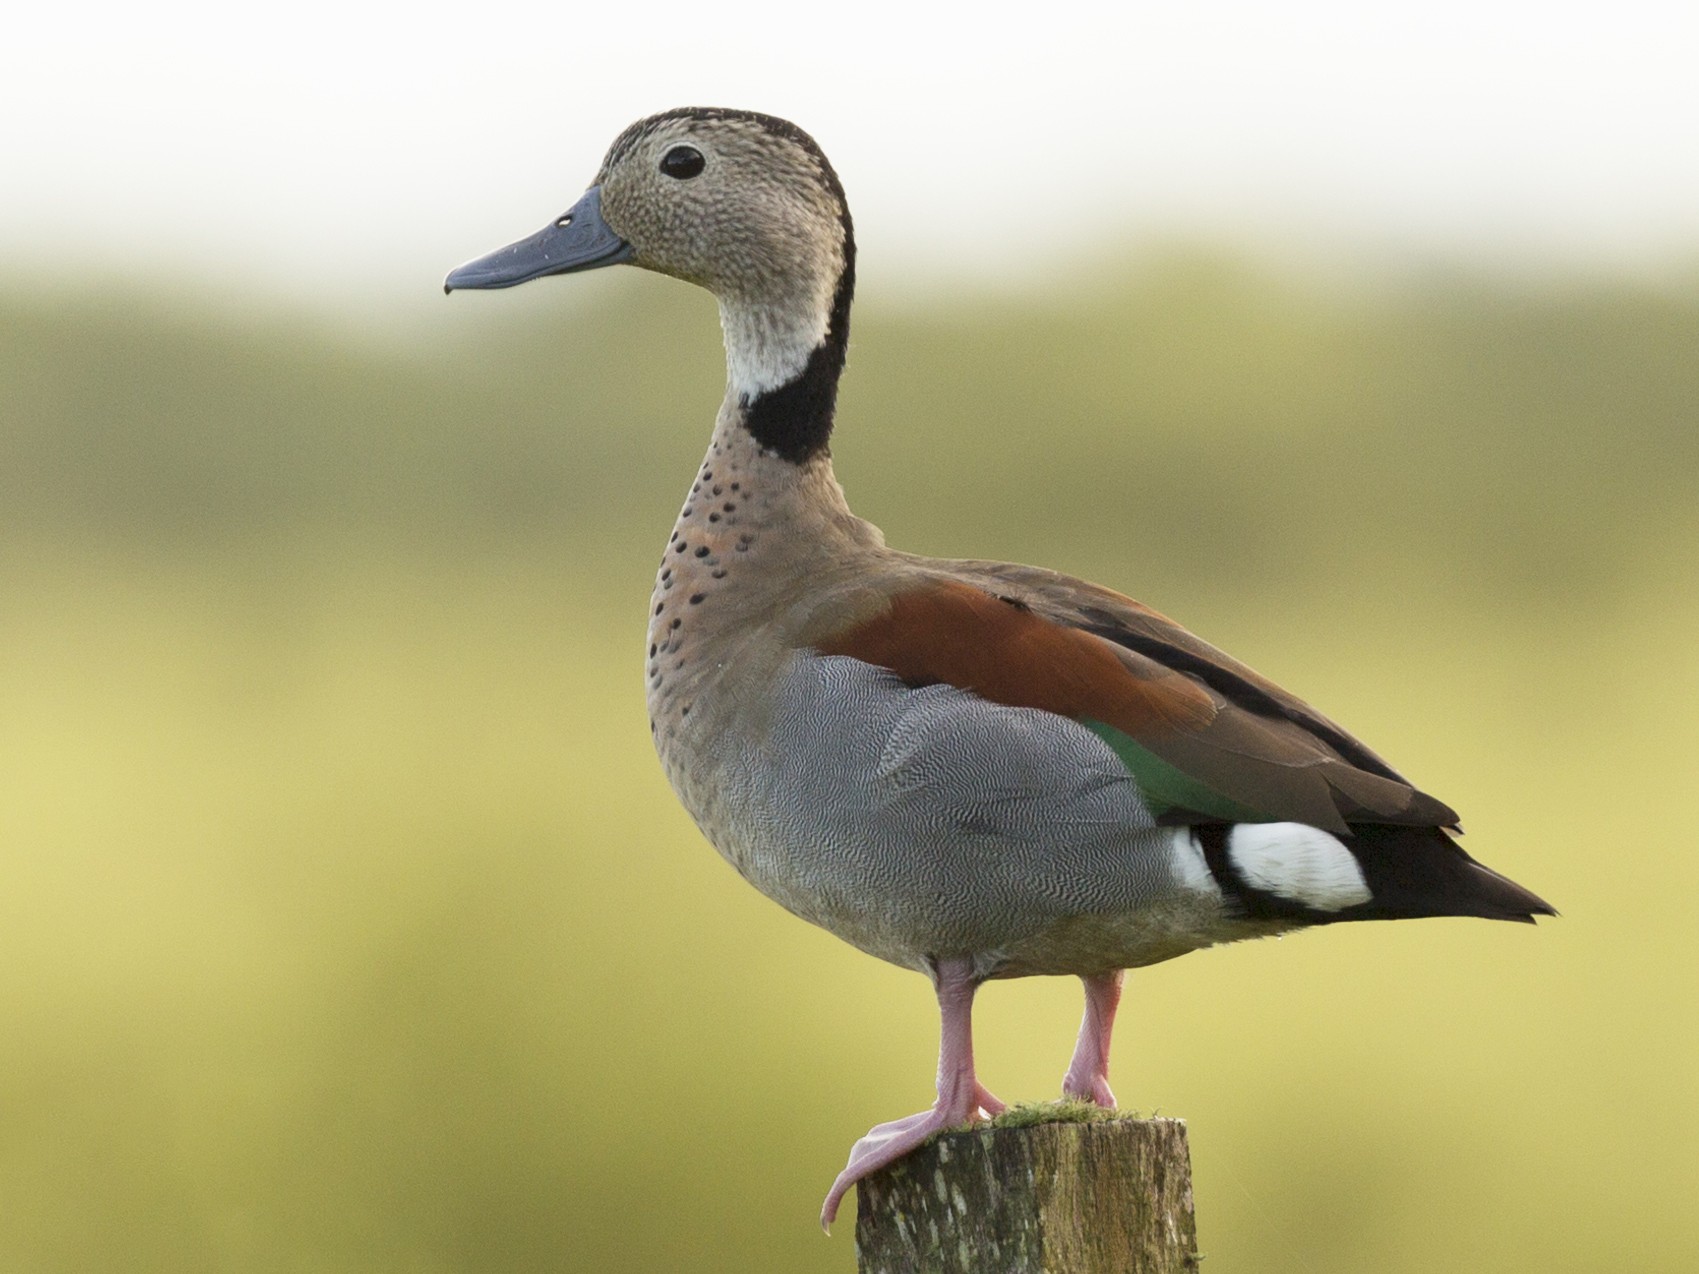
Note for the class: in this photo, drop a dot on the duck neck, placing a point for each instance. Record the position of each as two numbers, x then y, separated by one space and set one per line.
784 355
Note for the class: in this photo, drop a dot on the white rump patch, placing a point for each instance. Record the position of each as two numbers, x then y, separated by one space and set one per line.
1297 862
1186 858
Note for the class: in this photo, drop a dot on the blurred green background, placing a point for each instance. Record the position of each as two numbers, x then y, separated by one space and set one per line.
347 923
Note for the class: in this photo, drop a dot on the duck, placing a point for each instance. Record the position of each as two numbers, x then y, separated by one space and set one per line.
972 769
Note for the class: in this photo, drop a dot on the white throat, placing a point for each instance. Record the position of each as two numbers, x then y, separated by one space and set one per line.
768 342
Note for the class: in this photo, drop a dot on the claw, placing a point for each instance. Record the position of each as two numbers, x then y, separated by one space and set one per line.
885 1144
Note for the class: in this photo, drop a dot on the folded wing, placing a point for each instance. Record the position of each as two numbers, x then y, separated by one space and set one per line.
1205 738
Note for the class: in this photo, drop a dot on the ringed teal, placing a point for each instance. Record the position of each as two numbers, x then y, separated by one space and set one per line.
971 769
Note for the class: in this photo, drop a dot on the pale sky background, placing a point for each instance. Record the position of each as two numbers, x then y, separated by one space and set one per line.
341 153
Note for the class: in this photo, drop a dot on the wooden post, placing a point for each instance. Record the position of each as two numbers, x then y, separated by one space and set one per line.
1111 1197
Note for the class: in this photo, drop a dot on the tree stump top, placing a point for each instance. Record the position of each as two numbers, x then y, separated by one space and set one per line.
1045 1198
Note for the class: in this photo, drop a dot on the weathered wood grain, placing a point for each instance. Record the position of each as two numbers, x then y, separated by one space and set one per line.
1055 1198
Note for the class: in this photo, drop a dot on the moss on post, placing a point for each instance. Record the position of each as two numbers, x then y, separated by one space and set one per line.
1084 1196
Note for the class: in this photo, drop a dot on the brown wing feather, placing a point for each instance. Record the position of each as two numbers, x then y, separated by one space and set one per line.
963 636
1035 639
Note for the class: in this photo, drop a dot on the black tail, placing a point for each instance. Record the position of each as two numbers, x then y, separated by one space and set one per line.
1421 871
1407 871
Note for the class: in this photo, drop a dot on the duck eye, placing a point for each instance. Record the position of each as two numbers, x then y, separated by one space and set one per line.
682 162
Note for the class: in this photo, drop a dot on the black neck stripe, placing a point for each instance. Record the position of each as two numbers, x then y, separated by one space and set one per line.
794 420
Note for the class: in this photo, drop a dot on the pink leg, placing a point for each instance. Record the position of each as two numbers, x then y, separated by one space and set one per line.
1088 1073
961 1097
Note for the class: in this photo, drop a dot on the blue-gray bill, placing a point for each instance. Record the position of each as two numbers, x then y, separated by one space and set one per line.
580 239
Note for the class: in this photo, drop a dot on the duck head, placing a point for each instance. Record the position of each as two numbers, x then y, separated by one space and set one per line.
743 204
